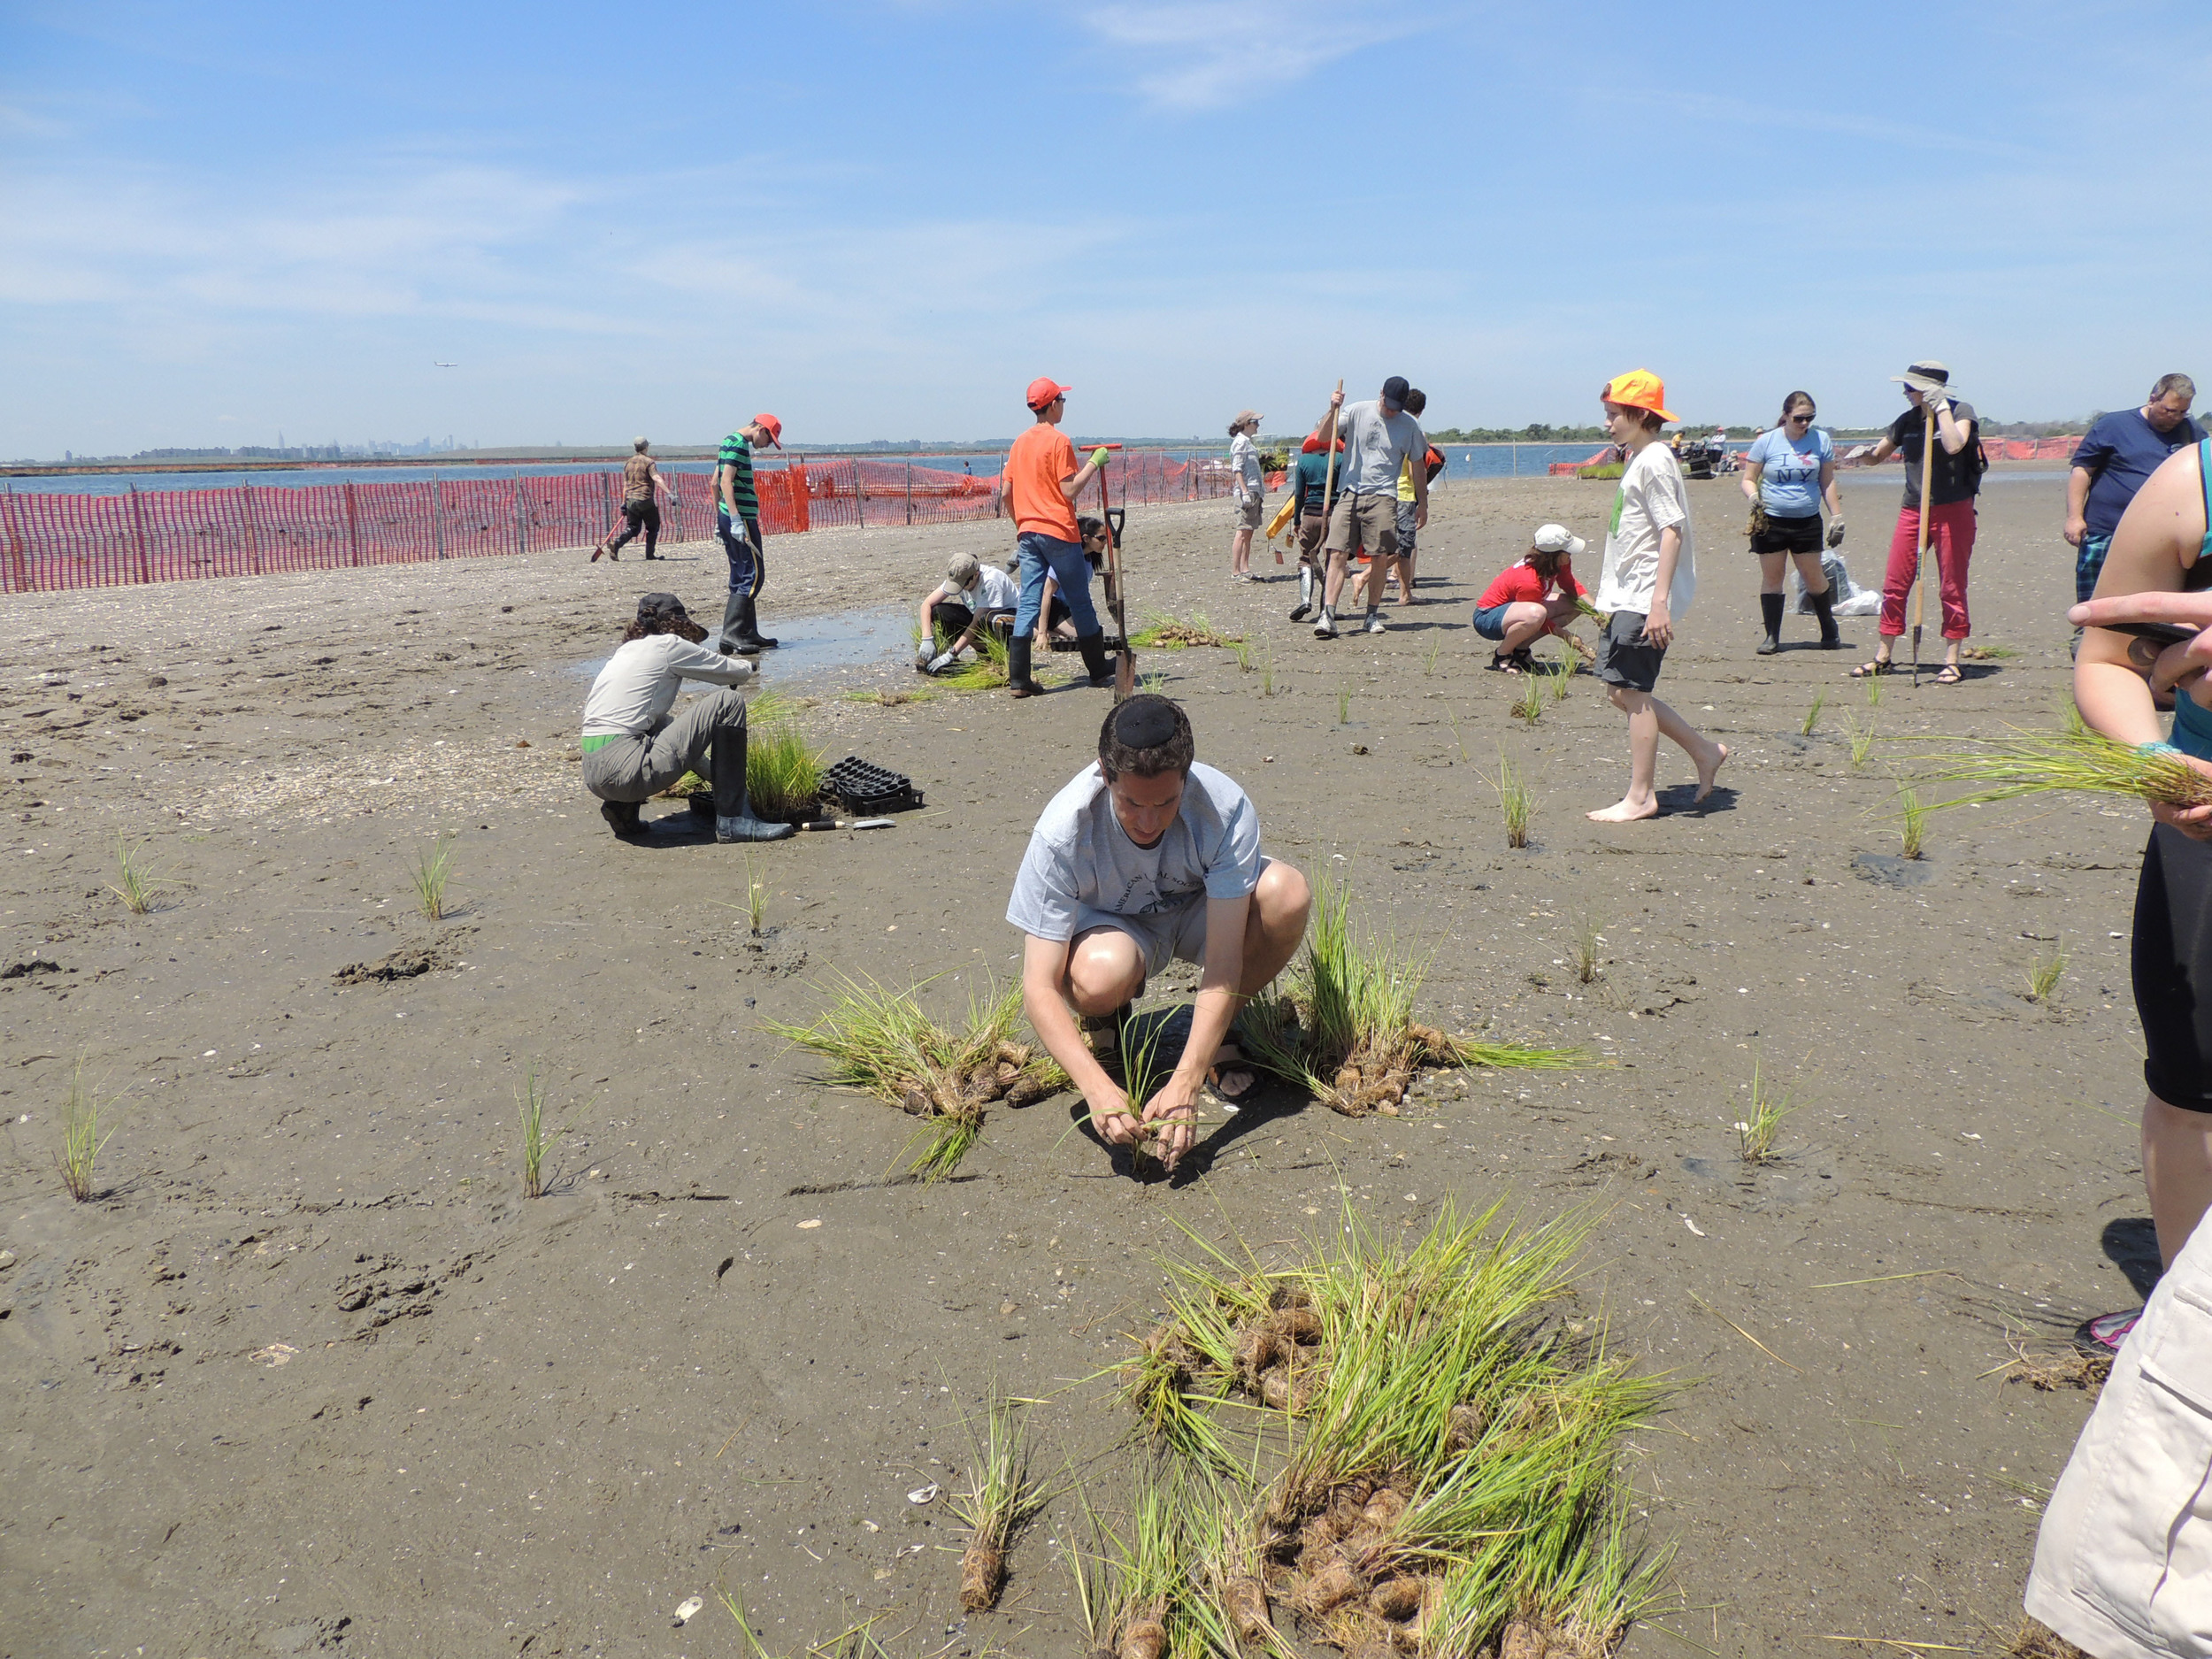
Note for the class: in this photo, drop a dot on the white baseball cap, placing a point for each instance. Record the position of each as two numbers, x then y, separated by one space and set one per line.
1553 538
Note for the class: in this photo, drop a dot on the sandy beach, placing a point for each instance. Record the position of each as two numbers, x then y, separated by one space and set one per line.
312 1375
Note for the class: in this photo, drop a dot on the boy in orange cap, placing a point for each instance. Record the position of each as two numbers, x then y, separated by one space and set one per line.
1647 580
1042 484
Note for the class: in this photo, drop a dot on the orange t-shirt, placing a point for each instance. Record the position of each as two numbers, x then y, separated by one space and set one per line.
1040 459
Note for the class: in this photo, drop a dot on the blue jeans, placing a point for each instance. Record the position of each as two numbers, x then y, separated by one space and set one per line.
2089 566
1070 570
747 569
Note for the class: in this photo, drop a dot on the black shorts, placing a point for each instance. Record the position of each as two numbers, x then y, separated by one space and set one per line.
1788 535
2172 968
1625 657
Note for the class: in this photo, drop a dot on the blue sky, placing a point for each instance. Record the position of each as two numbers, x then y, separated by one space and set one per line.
881 221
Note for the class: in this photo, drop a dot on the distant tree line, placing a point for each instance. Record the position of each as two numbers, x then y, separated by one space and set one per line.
1535 432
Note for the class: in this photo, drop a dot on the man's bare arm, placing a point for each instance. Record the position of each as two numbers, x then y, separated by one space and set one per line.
1044 972
1220 994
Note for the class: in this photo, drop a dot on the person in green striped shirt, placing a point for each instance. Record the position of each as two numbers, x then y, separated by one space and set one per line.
737 525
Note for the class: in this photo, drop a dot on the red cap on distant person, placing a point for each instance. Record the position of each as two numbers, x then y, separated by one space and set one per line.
773 427
1638 388
1043 390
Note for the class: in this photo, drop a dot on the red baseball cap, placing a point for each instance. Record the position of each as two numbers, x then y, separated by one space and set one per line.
1043 390
773 427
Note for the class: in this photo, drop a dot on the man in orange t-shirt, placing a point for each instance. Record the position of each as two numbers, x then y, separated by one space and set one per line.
1042 483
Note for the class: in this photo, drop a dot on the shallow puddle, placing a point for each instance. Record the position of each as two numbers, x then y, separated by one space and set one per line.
810 647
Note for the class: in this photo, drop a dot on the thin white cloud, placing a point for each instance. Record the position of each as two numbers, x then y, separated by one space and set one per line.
1219 52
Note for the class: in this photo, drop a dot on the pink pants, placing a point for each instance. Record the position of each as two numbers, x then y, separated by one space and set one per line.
1951 539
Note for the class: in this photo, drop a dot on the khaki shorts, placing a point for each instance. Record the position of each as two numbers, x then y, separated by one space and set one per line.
1367 524
1311 528
2124 1561
1248 512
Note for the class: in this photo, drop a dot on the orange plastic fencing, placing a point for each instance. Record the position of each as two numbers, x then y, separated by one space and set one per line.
52 542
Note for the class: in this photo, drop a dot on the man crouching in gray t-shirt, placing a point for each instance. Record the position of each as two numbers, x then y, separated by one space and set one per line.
1145 857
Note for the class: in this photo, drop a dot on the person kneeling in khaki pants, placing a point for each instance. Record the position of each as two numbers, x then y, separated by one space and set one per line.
633 750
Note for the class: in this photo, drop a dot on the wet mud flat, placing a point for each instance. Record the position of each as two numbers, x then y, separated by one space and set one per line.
310 1374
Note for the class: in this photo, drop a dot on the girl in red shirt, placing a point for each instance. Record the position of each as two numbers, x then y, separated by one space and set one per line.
1533 598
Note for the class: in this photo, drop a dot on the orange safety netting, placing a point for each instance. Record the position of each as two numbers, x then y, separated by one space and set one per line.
49 542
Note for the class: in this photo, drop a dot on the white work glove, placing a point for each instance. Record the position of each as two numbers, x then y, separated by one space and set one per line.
940 662
1934 403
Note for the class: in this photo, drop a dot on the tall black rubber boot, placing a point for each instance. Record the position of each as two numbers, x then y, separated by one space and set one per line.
749 638
1094 663
1825 608
734 819
733 612
1018 680
1770 613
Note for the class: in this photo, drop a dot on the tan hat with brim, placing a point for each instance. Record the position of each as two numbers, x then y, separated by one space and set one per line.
1928 375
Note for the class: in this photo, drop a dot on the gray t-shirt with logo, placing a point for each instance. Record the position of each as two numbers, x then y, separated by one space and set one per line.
1081 859
1375 447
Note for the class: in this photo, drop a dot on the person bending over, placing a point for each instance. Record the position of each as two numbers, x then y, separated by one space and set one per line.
973 597
1146 856
1530 599
633 750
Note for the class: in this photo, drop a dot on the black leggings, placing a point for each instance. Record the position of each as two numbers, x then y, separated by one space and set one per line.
2172 967
638 515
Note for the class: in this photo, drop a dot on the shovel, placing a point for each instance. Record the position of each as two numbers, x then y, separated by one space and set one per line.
1125 663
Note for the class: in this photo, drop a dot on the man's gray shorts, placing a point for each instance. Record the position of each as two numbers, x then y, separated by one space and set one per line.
637 768
1164 936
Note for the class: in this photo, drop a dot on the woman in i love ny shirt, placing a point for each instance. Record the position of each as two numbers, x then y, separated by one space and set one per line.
1787 474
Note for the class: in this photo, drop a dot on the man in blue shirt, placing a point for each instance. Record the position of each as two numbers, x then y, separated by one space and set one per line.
2120 452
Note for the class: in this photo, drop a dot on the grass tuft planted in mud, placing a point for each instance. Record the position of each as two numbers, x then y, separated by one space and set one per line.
1001 1498
1410 1453
882 1043
1342 1023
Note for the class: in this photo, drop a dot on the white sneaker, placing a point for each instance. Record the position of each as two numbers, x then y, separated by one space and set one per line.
1325 628
1374 623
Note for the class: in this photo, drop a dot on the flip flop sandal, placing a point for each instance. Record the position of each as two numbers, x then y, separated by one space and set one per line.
1867 671
2103 1335
1949 675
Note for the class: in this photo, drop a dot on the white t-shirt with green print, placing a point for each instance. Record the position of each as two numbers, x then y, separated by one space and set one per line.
1651 499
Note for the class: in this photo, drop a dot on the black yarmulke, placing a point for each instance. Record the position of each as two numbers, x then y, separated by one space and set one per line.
1145 721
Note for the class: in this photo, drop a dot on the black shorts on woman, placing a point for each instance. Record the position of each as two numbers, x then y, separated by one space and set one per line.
1787 535
2171 963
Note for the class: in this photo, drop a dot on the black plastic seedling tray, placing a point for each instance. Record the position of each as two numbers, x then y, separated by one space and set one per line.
863 789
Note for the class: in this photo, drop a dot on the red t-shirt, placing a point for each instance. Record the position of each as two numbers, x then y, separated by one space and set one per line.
1520 584
1040 459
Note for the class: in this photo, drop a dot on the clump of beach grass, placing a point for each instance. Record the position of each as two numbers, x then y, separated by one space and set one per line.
1343 705
756 898
1516 802
1164 633
1428 658
1342 1026
1586 947
1562 673
1811 721
530 1106
134 883
1912 823
1267 671
1874 691
1530 703
1001 1498
2044 976
1243 651
2075 758
783 770
882 1043
1762 1119
82 1141
1862 739
1450 1483
856 1642
433 868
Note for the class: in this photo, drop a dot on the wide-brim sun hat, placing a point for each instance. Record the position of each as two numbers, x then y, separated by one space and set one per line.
1638 388
1927 375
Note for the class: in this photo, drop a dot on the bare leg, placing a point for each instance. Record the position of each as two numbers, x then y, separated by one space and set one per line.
1338 562
1809 572
1405 578
1525 623
1105 969
2178 1171
1770 568
1241 550
1648 718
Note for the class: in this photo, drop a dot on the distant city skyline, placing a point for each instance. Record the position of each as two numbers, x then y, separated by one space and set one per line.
230 222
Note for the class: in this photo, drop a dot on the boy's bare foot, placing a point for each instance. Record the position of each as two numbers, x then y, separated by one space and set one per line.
1707 773
1625 810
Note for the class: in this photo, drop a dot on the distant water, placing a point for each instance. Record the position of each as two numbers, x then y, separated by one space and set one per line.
1463 461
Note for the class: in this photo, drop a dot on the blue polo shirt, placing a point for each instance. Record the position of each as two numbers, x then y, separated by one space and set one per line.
2120 453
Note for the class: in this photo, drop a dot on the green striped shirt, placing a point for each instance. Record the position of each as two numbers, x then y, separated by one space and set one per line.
737 457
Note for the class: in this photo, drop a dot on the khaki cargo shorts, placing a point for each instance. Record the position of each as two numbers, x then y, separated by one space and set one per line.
1365 524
